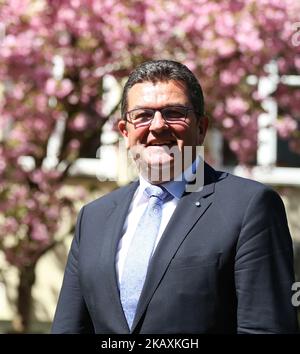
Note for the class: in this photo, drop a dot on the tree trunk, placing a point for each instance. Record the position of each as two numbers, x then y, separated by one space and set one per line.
22 320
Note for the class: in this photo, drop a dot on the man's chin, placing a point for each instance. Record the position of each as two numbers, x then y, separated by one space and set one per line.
165 162
158 171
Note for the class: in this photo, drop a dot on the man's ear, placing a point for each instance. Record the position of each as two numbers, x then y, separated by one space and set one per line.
123 130
202 128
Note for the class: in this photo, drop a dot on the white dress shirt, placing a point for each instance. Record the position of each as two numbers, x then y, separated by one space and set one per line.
137 208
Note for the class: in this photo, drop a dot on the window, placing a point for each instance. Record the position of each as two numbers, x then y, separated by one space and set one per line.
275 162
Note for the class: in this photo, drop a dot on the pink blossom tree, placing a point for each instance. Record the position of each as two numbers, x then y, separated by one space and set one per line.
224 42
91 39
221 41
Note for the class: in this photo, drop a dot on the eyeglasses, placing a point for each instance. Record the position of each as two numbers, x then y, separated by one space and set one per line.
143 116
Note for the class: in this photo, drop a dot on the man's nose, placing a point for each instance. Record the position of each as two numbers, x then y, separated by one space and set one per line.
158 123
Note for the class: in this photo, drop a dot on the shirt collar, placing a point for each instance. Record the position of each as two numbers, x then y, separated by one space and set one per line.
176 187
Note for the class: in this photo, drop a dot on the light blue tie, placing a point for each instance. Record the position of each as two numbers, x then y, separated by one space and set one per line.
140 251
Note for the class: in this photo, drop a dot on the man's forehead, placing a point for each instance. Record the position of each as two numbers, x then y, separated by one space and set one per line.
156 92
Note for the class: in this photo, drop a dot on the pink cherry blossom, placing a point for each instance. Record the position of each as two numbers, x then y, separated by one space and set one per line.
286 127
236 106
79 123
39 232
10 226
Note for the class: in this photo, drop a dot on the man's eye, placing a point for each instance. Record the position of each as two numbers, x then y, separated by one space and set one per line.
143 115
173 113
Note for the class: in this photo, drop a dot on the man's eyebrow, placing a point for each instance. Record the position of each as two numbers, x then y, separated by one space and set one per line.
175 104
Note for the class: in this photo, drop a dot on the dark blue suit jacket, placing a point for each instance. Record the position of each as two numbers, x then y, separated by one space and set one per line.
224 266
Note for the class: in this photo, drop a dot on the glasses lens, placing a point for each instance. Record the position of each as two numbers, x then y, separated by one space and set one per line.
174 113
140 116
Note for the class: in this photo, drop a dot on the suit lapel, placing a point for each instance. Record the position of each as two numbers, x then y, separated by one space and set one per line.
115 223
190 207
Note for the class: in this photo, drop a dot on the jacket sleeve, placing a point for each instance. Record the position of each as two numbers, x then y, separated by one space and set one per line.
264 271
71 314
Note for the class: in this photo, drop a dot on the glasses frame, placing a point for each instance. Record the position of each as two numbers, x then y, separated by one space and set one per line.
160 110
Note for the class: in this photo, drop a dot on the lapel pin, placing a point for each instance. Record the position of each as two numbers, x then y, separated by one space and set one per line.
197 204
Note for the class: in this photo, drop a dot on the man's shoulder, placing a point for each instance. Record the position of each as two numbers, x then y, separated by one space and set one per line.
225 178
236 194
244 182
116 196
228 182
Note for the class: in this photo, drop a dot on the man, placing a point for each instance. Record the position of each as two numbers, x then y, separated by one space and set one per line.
153 257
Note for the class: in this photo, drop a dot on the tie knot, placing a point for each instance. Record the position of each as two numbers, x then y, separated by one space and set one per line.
156 191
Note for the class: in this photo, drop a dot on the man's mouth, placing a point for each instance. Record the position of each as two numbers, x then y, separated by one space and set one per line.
161 143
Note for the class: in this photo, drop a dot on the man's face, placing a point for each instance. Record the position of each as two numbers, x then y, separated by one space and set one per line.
154 143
